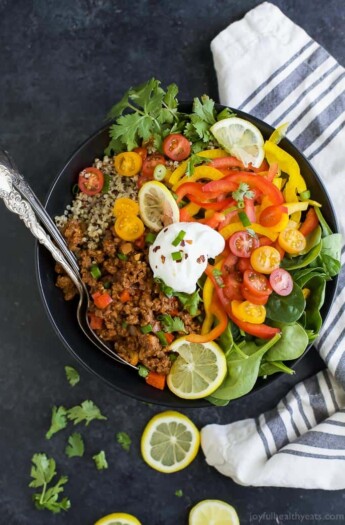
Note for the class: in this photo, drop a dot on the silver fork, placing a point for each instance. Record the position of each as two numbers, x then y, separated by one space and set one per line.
26 209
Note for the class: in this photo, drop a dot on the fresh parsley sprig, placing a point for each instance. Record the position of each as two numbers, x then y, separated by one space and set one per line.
195 160
58 421
86 412
172 324
124 440
242 192
72 375
75 447
43 471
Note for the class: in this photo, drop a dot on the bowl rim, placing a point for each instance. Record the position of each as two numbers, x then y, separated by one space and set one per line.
201 403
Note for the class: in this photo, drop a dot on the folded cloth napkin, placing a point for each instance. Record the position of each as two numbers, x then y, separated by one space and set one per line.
269 67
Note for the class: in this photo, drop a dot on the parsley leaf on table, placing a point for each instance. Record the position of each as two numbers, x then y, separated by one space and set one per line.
172 324
58 421
42 472
124 440
87 412
75 447
72 375
179 493
100 460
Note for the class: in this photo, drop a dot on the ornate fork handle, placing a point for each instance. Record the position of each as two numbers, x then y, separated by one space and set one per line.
16 179
15 203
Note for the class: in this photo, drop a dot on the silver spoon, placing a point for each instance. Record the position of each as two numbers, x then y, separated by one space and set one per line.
25 209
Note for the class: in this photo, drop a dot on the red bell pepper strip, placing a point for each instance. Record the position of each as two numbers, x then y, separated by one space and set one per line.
214 221
258 330
272 172
156 380
185 216
217 205
230 183
310 223
249 209
195 189
226 163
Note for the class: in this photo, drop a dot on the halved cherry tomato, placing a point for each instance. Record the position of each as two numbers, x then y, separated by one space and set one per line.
256 283
95 322
242 243
251 297
142 152
150 163
292 240
271 215
125 206
281 282
129 227
176 147
244 264
310 223
128 163
229 263
142 179
233 286
265 259
265 241
263 331
91 181
248 312
101 300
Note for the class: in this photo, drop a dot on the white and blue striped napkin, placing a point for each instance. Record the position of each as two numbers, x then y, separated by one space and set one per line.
268 66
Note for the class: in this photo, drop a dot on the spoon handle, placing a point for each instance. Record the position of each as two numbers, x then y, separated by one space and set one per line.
17 180
16 204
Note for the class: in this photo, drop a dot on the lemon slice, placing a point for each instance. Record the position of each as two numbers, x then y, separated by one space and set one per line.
170 442
118 518
213 512
240 138
158 207
199 369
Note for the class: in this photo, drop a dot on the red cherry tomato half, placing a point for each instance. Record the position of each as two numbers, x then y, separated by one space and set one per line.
176 147
142 179
242 244
281 281
142 152
150 163
91 181
229 263
253 298
244 264
272 215
233 286
256 283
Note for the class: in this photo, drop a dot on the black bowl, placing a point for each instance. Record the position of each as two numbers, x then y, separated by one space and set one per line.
63 314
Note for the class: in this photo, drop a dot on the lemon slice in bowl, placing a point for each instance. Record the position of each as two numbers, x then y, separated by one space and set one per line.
213 511
240 138
199 369
170 442
118 518
157 206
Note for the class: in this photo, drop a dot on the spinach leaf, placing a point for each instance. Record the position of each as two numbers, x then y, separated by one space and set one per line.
226 341
326 230
291 345
330 256
313 319
242 371
301 277
301 260
313 240
270 368
286 309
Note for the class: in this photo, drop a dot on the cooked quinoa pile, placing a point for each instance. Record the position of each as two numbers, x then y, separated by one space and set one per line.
87 225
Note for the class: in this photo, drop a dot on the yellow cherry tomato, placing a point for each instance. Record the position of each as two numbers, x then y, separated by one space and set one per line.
248 312
265 259
128 164
292 241
125 206
129 227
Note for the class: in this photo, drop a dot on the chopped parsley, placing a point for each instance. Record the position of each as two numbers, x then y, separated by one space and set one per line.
72 375
58 421
218 277
86 412
194 160
75 447
124 440
242 192
143 371
100 460
171 324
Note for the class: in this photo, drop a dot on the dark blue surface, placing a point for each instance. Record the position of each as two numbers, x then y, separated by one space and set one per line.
63 64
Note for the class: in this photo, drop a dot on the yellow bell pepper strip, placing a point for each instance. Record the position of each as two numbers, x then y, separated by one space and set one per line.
213 153
278 182
293 207
279 133
238 226
207 296
296 184
282 224
178 173
128 163
188 211
222 318
200 172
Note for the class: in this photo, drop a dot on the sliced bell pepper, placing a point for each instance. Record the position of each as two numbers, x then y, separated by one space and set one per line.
195 189
188 211
258 330
216 205
238 226
220 314
200 172
310 223
178 173
213 153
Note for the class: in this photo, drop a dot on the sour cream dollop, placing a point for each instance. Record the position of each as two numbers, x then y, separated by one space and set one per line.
181 266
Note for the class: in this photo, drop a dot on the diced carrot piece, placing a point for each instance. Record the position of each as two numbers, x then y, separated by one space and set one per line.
156 380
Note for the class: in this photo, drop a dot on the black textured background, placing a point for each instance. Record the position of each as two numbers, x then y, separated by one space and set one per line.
62 65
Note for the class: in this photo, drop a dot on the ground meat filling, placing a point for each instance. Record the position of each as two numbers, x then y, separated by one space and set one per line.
122 321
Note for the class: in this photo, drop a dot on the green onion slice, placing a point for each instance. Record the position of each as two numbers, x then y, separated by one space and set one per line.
162 338
159 172
244 218
122 256
95 272
150 238
176 256
305 195
146 329
179 238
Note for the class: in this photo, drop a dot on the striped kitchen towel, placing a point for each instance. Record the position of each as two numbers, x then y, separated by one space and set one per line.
268 66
